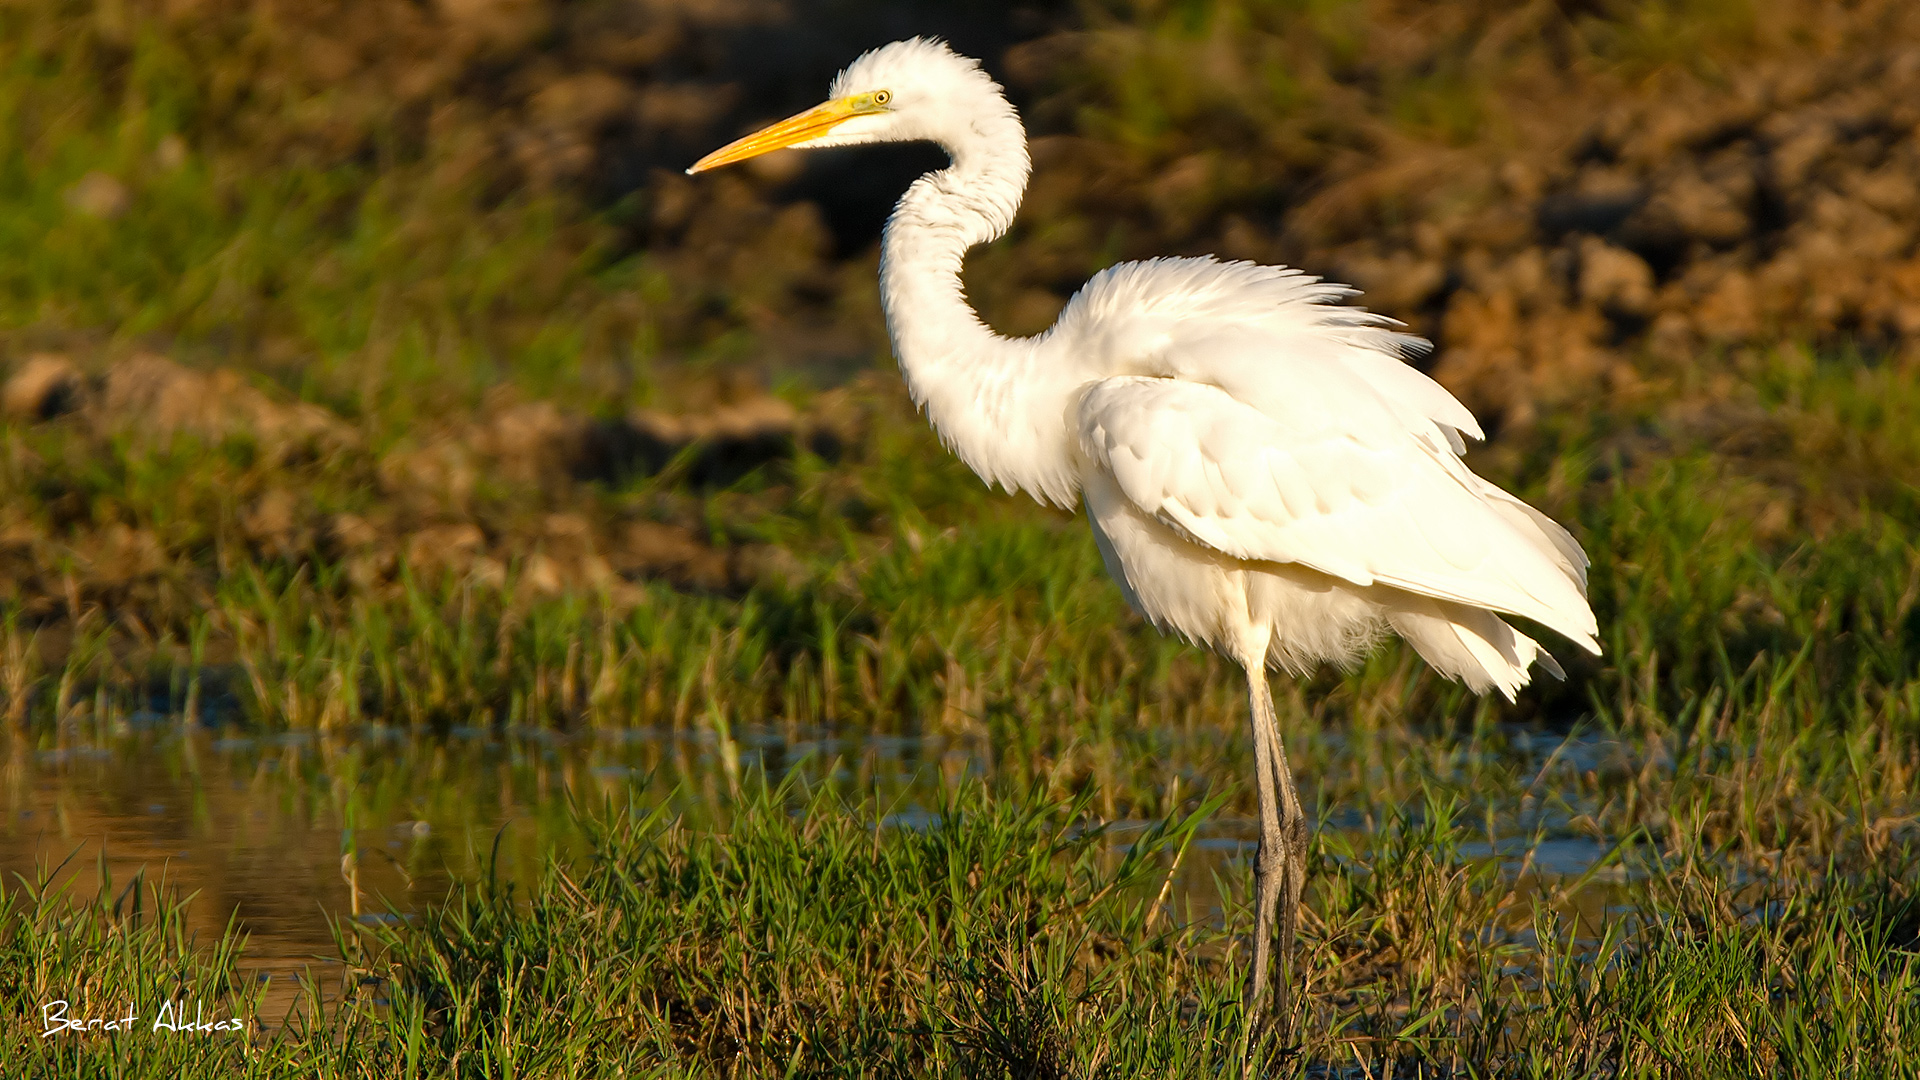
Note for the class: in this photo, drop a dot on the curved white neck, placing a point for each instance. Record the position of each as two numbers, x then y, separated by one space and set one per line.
991 400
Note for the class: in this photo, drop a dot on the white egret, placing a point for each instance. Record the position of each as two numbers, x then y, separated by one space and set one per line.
1264 473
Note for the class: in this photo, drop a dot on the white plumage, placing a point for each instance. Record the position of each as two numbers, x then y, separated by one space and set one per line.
1263 471
1273 428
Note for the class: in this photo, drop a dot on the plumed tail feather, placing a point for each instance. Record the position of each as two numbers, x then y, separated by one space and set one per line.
1471 644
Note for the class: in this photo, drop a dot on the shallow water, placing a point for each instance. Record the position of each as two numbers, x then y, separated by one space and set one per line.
291 831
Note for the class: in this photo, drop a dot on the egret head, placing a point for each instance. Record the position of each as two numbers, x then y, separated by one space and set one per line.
906 91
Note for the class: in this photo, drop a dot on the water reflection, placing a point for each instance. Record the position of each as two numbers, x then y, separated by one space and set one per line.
291 830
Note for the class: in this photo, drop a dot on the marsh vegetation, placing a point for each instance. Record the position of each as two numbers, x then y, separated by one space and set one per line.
397 465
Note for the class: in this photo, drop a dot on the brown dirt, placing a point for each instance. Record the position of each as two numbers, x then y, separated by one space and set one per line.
153 399
42 386
1578 225
1571 198
482 498
1702 223
1601 228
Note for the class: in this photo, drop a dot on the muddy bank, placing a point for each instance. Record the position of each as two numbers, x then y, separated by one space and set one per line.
1577 205
521 496
1571 199
529 353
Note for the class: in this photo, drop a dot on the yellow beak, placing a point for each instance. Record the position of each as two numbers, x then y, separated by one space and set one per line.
811 124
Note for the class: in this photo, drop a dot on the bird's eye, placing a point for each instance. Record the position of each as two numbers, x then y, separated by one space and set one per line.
881 97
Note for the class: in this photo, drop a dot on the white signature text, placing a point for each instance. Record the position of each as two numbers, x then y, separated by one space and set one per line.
55 1019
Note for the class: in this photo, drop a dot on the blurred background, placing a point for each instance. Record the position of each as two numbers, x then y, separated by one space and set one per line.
447 246
393 439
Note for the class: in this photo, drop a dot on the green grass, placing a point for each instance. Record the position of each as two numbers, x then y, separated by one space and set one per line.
312 229
942 609
1746 751
800 934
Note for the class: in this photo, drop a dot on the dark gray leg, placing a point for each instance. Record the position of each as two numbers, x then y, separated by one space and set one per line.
1280 870
1268 863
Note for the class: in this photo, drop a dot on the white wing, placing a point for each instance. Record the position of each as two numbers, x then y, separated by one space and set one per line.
1296 435
1271 325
